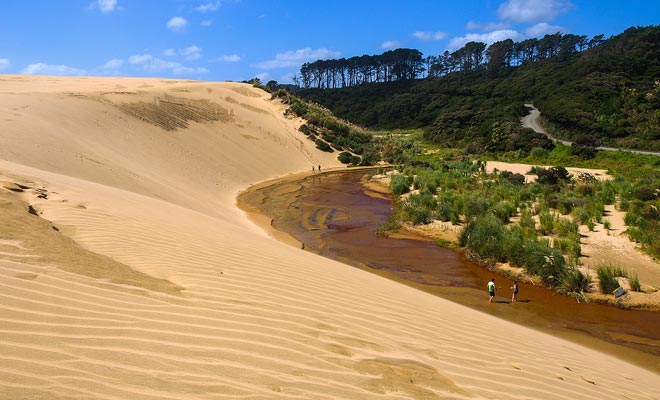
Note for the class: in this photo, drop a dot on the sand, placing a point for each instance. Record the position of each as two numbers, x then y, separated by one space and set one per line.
127 271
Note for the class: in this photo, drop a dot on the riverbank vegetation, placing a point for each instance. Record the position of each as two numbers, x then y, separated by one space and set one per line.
592 92
531 221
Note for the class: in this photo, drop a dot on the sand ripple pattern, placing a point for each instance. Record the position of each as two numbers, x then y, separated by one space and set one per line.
251 318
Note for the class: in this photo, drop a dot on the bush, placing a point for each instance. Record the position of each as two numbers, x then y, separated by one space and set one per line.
575 282
547 221
634 283
323 146
546 262
399 185
504 210
607 275
345 157
483 237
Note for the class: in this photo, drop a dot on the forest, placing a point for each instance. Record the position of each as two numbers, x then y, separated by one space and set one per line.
594 91
409 64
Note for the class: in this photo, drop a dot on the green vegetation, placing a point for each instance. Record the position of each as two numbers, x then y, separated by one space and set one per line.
607 275
596 92
498 212
634 283
438 131
329 133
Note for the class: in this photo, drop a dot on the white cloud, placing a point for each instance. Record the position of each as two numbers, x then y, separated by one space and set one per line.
227 58
294 58
113 64
532 10
181 70
150 63
107 6
427 35
49 69
177 24
206 22
390 44
542 29
486 26
208 7
188 53
156 64
488 38
140 58
191 53
4 63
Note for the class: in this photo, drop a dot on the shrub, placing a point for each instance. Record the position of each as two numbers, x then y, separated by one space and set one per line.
547 221
399 185
527 221
546 262
483 237
323 146
566 227
504 210
634 283
575 282
475 206
417 214
514 246
608 278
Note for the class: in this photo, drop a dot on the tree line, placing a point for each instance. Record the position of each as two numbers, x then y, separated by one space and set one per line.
410 64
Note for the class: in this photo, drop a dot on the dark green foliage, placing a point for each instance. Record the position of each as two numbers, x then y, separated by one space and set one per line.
604 94
513 178
504 210
551 176
345 157
607 275
575 282
483 237
399 185
546 262
323 146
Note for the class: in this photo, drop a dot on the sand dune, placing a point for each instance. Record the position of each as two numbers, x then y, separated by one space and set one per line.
138 277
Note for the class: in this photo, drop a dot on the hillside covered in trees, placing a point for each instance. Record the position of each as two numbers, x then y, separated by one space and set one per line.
592 91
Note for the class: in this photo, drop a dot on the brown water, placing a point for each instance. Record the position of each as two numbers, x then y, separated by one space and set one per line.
334 215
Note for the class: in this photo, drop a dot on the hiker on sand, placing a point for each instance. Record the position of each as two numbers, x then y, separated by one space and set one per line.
319 167
313 170
515 291
491 290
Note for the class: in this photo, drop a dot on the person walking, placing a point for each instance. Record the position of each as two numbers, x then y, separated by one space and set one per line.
514 296
319 167
491 290
313 170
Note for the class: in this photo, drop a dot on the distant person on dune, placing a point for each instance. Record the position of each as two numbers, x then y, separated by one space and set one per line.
313 170
319 167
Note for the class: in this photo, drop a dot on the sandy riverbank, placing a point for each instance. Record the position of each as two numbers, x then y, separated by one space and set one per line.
139 278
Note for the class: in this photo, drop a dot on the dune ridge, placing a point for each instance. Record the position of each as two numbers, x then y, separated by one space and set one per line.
246 316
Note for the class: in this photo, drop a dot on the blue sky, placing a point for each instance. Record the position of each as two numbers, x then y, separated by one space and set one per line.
222 40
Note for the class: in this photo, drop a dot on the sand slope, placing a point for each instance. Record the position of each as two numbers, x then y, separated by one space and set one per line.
138 277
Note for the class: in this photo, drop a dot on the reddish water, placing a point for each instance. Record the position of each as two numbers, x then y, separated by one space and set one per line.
335 216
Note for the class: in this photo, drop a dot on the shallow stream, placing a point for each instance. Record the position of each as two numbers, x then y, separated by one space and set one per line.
335 215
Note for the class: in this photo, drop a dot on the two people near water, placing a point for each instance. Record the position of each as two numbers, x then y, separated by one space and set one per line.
491 290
